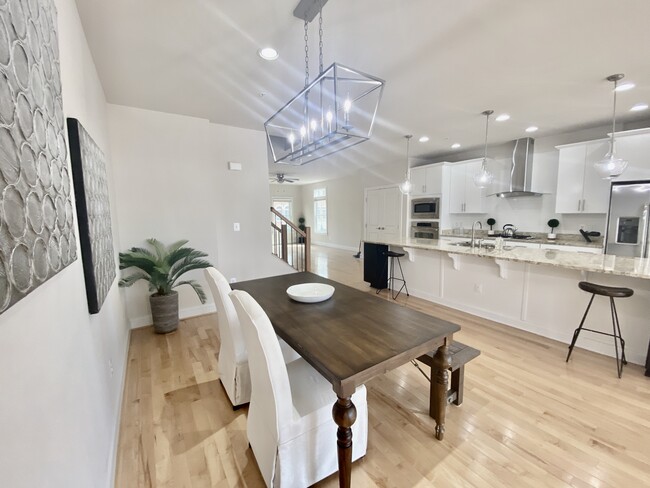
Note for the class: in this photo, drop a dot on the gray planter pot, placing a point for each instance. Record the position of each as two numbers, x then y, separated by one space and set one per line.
164 310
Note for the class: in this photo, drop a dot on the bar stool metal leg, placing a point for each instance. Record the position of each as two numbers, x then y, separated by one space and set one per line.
620 335
619 365
402 273
576 332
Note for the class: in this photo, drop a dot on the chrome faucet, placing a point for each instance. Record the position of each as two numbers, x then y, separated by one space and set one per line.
473 226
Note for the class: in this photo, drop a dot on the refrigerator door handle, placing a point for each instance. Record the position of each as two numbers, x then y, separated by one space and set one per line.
644 237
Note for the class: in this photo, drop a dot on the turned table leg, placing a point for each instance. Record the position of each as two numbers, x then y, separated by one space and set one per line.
344 413
438 392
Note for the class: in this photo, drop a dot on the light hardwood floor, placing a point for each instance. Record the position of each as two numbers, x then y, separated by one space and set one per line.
528 418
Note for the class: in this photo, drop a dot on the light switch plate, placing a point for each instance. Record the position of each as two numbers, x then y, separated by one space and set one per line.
236 227
232 166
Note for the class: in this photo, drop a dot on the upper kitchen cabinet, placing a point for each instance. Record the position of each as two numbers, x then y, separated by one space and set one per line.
426 180
634 146
383 214
579 188
464 196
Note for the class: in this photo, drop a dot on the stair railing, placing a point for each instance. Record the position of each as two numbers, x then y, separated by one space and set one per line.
289 242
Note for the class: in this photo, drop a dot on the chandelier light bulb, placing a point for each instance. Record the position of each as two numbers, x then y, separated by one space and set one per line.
347 105
292 139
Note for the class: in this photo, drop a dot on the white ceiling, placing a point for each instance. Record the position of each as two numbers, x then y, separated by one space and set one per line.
445 61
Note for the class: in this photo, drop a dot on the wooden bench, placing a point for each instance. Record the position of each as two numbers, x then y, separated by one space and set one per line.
461 354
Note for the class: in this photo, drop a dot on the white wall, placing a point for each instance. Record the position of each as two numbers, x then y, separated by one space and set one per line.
60 400
173 183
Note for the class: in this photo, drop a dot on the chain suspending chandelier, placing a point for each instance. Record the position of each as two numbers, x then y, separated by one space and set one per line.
335 111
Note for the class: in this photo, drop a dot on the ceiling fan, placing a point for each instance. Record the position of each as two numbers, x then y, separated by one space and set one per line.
281 178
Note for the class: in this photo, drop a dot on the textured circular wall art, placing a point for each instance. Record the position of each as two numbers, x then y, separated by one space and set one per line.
37 238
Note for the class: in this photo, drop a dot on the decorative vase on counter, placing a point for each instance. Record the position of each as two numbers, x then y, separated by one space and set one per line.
551 236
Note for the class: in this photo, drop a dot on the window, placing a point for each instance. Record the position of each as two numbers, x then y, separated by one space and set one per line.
320 211
284 206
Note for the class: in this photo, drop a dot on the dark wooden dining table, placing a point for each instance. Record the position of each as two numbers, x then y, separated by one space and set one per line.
352 337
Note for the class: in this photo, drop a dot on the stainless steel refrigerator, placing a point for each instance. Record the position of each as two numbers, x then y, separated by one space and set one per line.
628 219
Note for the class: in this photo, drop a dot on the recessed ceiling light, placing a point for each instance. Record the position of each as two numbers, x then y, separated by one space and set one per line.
532 128
268 53
639 107
502 117
455 145
424 139
628 85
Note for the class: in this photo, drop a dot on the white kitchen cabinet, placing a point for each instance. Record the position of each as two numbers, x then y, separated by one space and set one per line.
464 196
634 147
579 187
383 214
426 180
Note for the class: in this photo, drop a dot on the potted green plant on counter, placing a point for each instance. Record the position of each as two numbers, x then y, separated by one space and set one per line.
553 223
162 266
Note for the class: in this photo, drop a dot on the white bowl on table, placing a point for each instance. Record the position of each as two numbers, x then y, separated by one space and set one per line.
310 292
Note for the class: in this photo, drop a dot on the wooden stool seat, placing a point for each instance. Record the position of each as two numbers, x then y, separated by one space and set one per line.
461 354
611 292
606 291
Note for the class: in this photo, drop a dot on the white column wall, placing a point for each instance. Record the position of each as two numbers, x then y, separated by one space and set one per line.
173 183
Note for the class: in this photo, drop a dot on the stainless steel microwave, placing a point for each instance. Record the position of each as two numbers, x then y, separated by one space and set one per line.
425 208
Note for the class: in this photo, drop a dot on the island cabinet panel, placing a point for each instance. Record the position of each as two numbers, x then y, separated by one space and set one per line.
464 196
478 286
579 188
539 298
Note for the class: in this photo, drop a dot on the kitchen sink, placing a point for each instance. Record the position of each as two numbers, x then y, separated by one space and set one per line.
485 247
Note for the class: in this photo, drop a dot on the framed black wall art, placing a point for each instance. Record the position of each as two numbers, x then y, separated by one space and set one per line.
93 214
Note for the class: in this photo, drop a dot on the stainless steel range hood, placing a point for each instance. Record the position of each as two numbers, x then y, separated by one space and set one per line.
521 172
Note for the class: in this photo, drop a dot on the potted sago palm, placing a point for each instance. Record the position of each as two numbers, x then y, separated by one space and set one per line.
162 266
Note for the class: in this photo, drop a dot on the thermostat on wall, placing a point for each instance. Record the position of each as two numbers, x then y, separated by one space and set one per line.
232 166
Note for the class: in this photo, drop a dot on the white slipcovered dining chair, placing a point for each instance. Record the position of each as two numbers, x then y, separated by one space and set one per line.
290 426
233 357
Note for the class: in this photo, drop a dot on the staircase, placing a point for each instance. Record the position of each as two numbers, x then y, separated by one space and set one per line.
289 243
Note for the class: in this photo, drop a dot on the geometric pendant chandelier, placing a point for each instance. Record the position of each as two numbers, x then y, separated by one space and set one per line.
335 111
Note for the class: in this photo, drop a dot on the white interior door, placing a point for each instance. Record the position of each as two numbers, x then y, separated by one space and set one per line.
374 213
392 213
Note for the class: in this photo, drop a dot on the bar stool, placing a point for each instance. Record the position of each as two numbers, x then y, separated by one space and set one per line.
611 292
392 255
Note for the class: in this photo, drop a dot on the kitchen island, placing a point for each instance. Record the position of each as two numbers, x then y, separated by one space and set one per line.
532 289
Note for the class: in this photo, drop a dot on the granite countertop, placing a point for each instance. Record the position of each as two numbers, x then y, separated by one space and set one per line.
537 238
581 261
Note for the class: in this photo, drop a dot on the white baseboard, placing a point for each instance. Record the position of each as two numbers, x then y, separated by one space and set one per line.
183 313
336 246
112 463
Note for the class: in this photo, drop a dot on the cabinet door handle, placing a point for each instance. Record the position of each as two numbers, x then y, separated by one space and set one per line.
579 203
424 189
583 205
